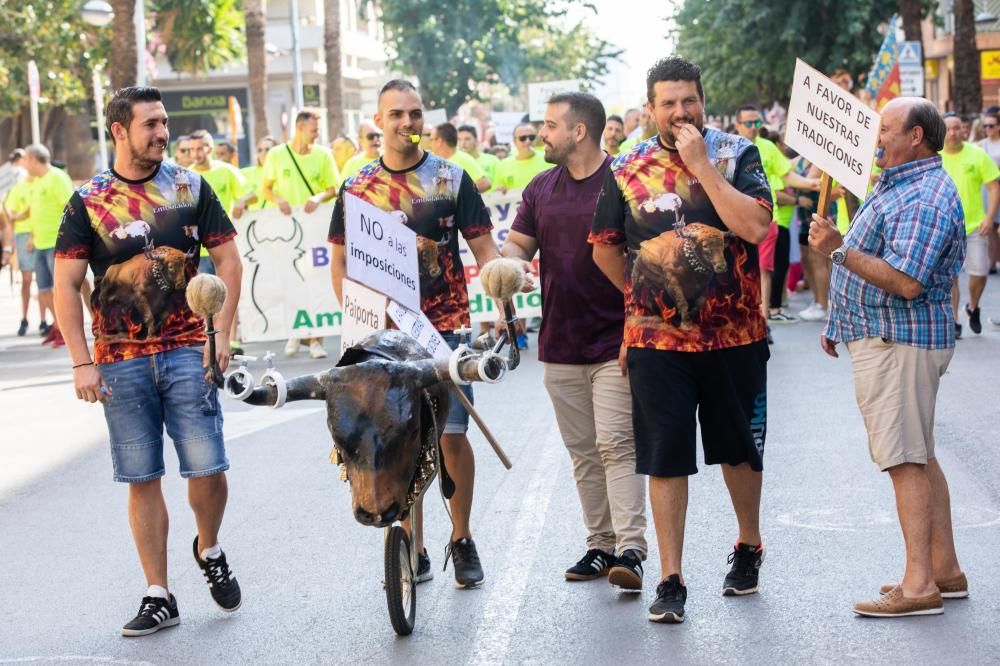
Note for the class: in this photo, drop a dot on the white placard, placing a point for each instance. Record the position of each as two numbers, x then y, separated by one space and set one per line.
434 117
286 290
416 324
539 94
381 251
504 123
911 70
832 129
364 313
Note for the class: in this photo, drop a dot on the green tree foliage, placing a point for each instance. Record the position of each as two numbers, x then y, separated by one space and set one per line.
451 45
199 35
52 33
747 48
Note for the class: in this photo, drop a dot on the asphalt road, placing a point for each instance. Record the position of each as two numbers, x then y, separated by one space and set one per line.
69 576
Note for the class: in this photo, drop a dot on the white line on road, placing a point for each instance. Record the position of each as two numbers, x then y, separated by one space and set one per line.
500 615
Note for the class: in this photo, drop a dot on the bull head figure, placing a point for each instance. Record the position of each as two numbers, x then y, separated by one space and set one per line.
386 403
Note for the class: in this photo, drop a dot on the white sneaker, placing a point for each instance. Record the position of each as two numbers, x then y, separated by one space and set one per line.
316 350
292 348
814 312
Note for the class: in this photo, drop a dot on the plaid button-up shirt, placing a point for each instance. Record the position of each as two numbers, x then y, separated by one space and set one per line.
913 220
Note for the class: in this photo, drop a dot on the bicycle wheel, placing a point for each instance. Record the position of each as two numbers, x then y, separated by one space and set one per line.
400 588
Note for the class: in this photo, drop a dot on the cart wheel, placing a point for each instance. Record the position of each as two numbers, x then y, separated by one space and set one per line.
400 589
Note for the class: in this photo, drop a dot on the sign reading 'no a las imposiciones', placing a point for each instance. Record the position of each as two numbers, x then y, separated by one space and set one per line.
832 128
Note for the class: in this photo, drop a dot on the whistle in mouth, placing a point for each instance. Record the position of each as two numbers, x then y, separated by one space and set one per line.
415 138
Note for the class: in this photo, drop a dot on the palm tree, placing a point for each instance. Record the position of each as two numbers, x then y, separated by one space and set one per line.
911 12
968 94
123 54
254 12
334 70
199 35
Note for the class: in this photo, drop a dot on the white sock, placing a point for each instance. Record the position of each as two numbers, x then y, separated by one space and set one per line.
213 552
157 591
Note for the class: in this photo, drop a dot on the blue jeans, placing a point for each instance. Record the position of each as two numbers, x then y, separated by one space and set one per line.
458 418
165 389
206 265
45 268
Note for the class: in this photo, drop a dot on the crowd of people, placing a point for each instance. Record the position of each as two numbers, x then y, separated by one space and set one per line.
664 244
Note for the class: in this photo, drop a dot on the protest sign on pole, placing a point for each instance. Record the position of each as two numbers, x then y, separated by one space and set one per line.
832 129
34 92
416 324
539 94
364 313
434 117
381 252
911 69
504 123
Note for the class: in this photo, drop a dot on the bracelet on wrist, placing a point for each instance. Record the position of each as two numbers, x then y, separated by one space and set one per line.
80 365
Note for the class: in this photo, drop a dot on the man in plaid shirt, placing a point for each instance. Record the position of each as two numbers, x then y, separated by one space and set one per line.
890 303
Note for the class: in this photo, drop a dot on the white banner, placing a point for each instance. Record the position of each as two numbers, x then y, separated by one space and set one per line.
381 252
287 288
832 128
539 94
287 291
364 313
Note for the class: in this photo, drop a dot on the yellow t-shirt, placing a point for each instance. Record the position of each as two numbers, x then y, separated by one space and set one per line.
317 166
48 196
515 174
15 202
776 166
469 163
253 178
489 164
226 181
970 169
354 165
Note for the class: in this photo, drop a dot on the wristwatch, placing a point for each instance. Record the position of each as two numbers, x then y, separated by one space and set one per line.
839 256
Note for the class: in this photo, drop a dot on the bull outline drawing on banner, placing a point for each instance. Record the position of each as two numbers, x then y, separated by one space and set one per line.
282 276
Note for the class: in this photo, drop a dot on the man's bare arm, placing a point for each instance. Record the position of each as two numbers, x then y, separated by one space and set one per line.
338 269
611 260
69 276
230 269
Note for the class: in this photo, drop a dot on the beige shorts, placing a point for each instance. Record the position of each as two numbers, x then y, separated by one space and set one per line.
896 387
977 255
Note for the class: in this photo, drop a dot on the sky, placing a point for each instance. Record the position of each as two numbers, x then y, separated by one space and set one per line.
638 27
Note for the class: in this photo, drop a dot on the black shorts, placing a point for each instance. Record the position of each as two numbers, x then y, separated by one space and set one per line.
726 387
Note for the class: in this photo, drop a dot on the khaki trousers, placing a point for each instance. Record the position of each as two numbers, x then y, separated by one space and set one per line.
593 408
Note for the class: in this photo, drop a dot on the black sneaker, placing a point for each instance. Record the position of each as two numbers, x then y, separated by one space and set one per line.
424 572
742 577
44 328
670 598
770 338
627 572
975 323
155 613
468 570
22 330
958 331
221 583
594 564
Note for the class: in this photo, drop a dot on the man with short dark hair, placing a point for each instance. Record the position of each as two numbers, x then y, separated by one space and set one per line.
224 179
468 141
580 343
438 200
614 134
444 144
139 226
300 173
516 171
676 229
226 152
889 303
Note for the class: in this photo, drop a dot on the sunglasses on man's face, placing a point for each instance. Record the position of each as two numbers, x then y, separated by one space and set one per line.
752 123
527 137
426 135
371 136
990 125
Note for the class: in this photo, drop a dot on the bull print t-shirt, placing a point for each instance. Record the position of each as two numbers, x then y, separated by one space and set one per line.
436 199
690 284
142 240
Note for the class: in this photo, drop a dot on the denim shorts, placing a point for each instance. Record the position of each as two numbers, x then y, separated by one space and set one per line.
45 268
25 257
165 389
458 418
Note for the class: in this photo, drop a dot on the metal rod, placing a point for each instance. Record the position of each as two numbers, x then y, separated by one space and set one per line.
296 58
482 425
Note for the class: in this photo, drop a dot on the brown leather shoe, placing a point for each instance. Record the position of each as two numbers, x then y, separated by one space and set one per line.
894 604
956 587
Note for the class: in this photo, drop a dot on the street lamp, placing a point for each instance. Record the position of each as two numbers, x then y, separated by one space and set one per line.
99 14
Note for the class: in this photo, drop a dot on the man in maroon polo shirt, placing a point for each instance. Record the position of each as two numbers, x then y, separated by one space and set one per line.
580 343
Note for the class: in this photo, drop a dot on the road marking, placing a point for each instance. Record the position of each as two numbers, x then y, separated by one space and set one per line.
500 614
75 658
